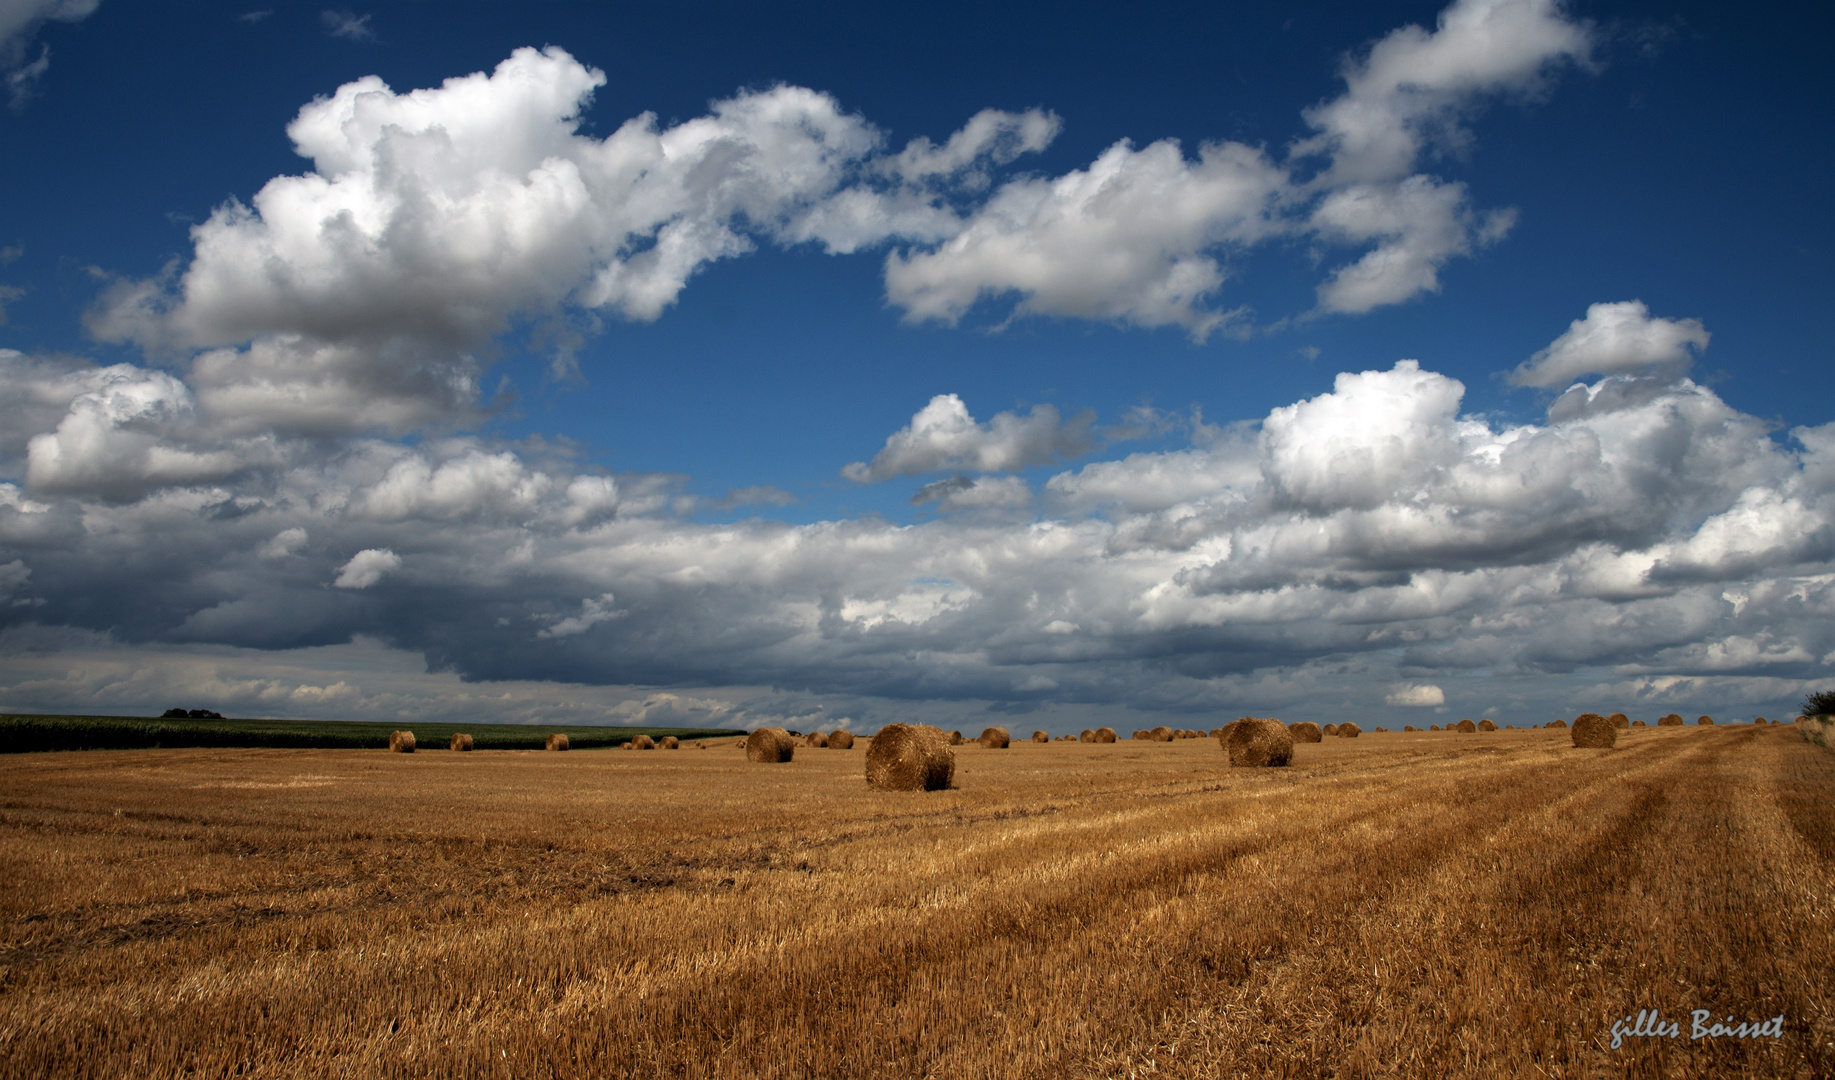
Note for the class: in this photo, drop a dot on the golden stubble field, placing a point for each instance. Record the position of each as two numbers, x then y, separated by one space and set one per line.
1431 905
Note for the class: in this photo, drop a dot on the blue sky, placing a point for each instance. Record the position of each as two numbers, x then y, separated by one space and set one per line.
346 397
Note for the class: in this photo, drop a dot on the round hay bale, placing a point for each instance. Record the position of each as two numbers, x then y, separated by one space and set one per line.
1349 730
669 742
1486 725
1619 720
643 742
955 738
1305 731
460 741
910 757
769 744
1105 735
1758 720
401 742
994 738
1594 730
1160 734
1435 727
1639 723
1255 743
1672 720
840 740
1407 727
558 741
1039 736
1706 721
817 740
1138 735
1330 729
1086 736
1466 727
1557 723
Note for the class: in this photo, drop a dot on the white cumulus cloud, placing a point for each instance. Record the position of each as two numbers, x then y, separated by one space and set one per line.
366 568
943 435
1615 339
366 293
1415 695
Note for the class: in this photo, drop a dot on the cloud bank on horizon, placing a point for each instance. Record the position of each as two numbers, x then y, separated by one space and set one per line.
299 472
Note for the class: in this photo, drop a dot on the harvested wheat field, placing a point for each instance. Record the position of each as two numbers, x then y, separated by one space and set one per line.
1409 906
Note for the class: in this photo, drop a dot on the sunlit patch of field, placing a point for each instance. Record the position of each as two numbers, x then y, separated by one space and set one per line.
1428 905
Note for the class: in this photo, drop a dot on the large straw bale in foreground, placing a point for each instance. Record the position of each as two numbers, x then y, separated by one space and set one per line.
558 741
401 742
1105 735
1349 730
769 744
840 740
1305 731
1087 736
1594 730
910 757
994 738
1258 743
1039 736
460 741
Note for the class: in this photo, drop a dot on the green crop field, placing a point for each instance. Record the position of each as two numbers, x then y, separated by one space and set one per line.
24 734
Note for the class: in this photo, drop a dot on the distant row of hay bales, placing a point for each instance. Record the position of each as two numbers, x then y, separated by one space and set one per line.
1168 734
402 742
